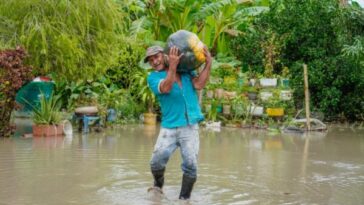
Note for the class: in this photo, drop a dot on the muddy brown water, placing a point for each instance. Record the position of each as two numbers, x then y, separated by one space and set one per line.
236 166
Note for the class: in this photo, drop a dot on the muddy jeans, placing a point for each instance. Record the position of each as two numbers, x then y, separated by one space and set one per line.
187 139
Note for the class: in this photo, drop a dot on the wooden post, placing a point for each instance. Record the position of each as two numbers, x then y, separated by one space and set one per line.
307 97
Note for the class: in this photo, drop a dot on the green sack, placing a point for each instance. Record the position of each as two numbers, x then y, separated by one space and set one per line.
190 45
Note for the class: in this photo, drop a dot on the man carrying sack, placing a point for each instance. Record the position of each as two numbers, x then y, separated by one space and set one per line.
181 114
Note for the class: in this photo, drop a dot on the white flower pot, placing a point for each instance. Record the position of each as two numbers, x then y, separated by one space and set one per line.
285 95
268 82
252 81
264 96
226 109
256 110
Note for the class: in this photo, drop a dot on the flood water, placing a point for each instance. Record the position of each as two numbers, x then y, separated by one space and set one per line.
236 166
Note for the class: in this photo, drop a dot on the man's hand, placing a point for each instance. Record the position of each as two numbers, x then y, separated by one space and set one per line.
207 54
174 58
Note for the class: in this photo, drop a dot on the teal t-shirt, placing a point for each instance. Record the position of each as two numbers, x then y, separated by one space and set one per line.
180 106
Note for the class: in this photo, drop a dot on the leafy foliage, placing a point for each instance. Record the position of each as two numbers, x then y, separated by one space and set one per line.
325 36
144 93
129 56
214 21
74 39
13 75
48 112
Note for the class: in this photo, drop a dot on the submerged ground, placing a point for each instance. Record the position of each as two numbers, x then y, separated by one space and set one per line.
236 166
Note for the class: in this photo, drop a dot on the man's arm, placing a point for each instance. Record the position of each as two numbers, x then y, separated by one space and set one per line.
200 81
167 83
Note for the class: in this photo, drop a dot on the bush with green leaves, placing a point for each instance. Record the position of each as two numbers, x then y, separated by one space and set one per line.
129 56
74 39
325 36
13 75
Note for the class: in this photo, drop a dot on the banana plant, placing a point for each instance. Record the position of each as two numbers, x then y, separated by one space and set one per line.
226 17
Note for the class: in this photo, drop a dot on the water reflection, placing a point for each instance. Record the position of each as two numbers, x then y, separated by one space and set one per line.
236 166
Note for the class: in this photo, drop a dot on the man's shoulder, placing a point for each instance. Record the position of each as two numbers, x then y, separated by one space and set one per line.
157 73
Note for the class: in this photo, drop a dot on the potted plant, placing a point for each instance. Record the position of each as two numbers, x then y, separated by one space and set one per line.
209 94
241 112
268 82
209 91
110 99
226 109
241 79
212 114
285 77
271 48
252 93
265 95
252 77
285 95
255 110
207 105
275 107
147 96
219 93
47 117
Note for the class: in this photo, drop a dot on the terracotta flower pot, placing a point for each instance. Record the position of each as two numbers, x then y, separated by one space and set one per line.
47 130
229 95
219 93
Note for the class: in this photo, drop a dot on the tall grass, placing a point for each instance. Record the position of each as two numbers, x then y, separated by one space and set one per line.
73 39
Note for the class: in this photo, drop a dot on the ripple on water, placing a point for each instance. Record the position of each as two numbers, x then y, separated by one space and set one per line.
346 166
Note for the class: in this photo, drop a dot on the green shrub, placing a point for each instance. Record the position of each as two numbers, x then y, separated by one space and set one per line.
74 39
321 34
129 56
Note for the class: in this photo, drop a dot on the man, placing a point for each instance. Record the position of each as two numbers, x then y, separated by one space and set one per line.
181 113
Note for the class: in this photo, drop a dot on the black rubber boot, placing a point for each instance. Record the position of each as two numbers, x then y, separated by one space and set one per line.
187 186
158 177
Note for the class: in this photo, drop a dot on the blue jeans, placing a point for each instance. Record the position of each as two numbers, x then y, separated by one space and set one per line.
187 139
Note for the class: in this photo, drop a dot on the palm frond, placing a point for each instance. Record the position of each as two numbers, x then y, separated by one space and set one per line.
356 50
213 8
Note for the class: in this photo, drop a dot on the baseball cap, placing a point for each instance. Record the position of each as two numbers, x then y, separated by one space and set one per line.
151 51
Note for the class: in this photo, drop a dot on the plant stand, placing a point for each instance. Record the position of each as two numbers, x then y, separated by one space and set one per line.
84 121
